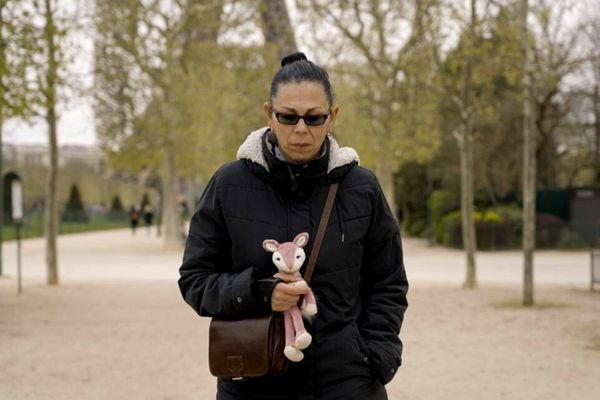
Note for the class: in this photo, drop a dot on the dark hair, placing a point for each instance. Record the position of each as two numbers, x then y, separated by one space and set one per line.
296 68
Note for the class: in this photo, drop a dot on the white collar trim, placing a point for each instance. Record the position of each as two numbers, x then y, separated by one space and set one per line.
251 150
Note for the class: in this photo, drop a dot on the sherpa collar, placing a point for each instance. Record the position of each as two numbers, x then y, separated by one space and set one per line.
251 150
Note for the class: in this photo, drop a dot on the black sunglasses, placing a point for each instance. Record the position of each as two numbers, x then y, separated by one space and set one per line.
310 120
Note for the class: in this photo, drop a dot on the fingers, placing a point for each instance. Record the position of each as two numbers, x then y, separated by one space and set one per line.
285 296
294 288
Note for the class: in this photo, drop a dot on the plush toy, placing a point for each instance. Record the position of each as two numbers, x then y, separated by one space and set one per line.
288 257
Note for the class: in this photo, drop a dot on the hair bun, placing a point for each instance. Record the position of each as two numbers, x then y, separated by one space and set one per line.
292 58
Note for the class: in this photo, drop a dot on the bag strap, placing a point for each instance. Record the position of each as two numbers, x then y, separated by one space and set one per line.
314 254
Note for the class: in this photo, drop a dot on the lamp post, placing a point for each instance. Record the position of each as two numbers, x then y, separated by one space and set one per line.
17 215
16 192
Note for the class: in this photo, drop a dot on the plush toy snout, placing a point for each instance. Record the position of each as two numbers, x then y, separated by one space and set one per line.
288 260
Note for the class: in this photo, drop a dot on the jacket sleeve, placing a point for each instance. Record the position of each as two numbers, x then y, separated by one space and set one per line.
207 281
383 292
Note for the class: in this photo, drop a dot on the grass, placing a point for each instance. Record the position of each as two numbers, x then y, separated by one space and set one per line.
34 226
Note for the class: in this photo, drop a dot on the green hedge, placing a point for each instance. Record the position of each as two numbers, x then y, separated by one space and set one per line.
441 203
500 228
34 226
494 229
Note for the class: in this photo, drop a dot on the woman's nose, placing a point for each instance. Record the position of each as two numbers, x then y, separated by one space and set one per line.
300 127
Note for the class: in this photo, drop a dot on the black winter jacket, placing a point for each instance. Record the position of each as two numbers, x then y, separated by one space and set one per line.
359 280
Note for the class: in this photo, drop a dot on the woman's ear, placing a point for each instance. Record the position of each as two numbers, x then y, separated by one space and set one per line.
335 110
268 112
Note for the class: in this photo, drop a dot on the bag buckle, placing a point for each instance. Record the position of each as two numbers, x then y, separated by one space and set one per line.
235 364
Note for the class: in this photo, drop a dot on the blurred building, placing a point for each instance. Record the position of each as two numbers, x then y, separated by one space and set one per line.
32 155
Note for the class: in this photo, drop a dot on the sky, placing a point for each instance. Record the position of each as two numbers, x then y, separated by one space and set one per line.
76 126
76 117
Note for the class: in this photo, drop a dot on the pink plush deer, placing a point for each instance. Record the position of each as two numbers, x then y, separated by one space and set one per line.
288 257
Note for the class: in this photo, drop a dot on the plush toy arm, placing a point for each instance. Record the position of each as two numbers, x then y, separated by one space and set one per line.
309 305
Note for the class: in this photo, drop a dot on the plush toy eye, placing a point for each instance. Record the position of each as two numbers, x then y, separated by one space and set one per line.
297 257
278 259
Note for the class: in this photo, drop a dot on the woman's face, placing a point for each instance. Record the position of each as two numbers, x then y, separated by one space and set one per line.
300 142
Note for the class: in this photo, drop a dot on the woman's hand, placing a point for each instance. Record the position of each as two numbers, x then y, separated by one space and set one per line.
286 295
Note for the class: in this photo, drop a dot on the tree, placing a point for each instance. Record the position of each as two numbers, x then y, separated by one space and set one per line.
529 186
48 89
591 91
3 73
387 74
15 55
49 25
46 59
464 137
276 26
167 89
465 84
556 57
155 39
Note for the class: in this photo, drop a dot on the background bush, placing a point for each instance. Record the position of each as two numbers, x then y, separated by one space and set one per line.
500 228
117 211
74 211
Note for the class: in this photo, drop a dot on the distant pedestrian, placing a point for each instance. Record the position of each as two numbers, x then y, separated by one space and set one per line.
134 217
148 217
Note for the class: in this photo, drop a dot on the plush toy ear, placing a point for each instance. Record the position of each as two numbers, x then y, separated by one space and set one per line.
301 239
271 245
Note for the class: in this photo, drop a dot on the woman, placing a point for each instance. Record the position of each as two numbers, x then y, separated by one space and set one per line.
133 218
275 190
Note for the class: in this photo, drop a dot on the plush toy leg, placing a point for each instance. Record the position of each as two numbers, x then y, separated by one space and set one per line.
303 338
309 306
291 352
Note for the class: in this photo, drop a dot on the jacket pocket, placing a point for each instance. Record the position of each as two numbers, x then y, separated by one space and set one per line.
338 360
361 349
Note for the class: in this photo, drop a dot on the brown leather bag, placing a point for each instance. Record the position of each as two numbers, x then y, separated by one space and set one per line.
247 347
253 347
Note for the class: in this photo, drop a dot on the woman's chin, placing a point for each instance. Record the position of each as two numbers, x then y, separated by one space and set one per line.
299 158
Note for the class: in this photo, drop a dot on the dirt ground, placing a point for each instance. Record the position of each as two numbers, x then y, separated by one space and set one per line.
112 336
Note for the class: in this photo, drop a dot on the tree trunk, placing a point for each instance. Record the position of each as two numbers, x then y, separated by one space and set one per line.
529 162
276 26
384 166
2 72
466 167
203 20
385 173
51 209
467 208
597 129
173 238
1 174
196 30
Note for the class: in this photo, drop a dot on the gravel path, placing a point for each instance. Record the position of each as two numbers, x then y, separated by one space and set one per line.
117 327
